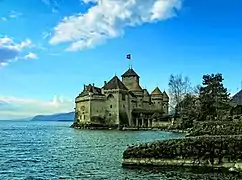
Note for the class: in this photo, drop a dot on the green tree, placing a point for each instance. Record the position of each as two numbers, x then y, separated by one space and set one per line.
214 98
188 110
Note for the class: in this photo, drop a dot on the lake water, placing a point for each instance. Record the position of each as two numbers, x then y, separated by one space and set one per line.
52 150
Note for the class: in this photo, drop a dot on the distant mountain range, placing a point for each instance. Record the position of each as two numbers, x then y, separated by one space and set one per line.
55 117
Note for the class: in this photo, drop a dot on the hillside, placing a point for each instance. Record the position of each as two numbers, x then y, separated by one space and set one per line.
55 117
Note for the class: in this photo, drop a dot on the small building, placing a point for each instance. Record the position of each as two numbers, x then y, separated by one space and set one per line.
120 103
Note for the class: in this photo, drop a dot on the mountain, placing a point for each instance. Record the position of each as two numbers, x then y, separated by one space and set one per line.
55 117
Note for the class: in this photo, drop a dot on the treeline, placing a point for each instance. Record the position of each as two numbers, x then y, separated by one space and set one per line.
209 101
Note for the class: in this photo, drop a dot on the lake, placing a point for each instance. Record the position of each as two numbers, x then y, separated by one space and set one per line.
52 150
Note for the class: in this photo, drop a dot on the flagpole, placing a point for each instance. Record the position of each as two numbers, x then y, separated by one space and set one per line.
130 63
128 56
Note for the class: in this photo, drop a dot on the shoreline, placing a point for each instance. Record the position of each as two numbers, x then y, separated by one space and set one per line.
131 129
152 162
219 151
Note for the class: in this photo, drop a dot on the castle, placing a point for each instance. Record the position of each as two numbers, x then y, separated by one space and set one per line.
120 103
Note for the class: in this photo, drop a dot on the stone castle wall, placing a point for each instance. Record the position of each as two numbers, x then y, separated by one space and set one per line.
83 110
113 105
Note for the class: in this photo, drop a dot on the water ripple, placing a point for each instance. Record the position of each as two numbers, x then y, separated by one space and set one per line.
52 150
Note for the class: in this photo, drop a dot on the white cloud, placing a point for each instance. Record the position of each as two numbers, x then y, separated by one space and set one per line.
31 56
108 19
12 107
10 50
3 19
14 14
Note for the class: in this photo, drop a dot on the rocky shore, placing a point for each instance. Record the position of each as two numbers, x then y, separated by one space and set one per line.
94 126
206 151
209 144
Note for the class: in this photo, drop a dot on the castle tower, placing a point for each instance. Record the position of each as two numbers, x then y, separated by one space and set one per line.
157 98
117 102
130 79
165 102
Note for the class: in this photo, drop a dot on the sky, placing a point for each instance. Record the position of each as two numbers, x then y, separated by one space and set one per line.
50 48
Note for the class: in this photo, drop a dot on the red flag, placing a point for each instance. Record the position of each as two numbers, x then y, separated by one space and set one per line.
128 56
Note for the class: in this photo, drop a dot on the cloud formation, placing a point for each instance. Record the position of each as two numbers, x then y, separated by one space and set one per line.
10 51
14 14
13 108
108 19
31 56
11 15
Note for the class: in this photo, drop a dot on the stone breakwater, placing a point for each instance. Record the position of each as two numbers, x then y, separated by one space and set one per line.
206 151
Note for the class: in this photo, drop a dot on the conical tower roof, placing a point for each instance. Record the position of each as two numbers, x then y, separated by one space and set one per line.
165 96
146 93
130 72
115 83
156 91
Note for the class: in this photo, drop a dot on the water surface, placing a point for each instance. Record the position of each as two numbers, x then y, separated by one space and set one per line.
52 150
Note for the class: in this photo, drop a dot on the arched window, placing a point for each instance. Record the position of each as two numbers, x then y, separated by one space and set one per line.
110 97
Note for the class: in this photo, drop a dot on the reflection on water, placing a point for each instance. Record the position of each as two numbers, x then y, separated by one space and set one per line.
52 150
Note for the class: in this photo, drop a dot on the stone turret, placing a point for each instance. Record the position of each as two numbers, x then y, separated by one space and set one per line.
157 98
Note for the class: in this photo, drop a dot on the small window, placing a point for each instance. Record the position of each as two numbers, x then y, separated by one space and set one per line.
124 106
123 97
111 106
110 114
84 117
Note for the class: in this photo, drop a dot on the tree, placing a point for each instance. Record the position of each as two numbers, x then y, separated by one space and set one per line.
214 98
179 86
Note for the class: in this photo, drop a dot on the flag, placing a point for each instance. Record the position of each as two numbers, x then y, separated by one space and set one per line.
128 56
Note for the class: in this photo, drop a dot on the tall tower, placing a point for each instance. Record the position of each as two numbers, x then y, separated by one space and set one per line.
157 98
130 79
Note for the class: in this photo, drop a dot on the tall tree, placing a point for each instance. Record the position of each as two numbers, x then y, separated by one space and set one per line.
179 86
214 97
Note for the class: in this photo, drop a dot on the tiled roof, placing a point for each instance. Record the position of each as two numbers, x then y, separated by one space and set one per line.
146 93
165 94
156 91
114 83
92 89
130 72
136 87
237 98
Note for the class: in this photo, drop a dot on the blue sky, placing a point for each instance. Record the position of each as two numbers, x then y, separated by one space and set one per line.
50 48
